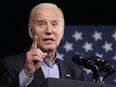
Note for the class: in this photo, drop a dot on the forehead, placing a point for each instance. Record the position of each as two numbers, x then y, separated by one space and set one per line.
47 13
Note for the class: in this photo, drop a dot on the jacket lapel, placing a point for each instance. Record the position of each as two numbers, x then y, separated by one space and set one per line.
38 78
64 70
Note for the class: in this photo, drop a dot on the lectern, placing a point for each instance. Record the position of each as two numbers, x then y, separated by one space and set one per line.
52 82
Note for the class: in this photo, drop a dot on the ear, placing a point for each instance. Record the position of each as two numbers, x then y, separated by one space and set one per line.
30 30
62 32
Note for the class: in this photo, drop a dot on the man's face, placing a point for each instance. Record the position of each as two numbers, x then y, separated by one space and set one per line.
46 24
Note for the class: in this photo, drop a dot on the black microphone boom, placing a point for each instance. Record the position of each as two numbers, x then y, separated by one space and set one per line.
98 61
103 65
87 63
78 59
108 68
96 65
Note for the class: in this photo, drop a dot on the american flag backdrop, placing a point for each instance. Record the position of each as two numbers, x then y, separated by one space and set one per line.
90 40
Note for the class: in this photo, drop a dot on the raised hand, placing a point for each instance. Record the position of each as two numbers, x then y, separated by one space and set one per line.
34 58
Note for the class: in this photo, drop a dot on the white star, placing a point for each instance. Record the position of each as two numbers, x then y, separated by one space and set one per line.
115 80
60 56
114 35
97 36
107 46
87 71
114 57
68 46
99 55
88 46
77 36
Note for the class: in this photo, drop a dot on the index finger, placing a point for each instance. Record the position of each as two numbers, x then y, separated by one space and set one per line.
34 44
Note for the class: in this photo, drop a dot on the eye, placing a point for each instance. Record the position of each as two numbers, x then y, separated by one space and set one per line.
54 23
41 23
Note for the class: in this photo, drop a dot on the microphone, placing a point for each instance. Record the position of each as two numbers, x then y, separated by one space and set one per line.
87 63
107 67
98 61
95 64
103 65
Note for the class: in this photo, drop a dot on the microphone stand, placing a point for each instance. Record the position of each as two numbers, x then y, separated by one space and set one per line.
96 77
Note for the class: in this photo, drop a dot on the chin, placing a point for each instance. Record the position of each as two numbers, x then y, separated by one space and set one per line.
49 49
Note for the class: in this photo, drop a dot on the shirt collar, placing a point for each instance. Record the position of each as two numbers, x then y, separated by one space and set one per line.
46 61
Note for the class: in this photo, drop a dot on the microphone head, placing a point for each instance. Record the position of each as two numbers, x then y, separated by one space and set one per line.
103 65
107 66
98 61
78 59
90 64
87 63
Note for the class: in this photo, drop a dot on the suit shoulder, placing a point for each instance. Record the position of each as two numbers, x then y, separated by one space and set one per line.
13 60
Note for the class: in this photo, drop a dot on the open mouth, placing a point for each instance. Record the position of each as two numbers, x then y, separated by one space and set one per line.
48 39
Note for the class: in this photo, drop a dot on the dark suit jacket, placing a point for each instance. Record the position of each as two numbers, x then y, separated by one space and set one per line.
11 66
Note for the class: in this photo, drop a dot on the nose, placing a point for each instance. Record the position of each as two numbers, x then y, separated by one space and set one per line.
48 30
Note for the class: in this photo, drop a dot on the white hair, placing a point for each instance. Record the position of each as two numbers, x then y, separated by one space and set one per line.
46 5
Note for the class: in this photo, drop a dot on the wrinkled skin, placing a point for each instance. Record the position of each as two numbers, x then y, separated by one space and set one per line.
46 30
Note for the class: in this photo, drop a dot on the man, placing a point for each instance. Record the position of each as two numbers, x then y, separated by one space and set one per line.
29 69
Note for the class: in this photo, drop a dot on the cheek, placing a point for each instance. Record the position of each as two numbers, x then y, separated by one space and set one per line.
59 37
39 33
